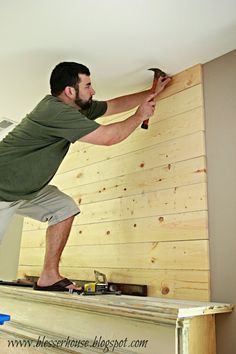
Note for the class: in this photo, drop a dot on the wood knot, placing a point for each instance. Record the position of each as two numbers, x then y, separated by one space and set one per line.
154 245
135 225
165 290
108 232
203 170
161 219
141 165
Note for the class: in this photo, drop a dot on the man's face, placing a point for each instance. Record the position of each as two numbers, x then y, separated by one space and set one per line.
84 92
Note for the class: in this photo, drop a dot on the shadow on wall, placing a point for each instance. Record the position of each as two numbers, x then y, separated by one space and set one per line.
10 249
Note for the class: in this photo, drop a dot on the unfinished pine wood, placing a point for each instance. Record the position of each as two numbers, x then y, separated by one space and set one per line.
173 284
168 201
173 227
172 105
203 326
180 125
31 224
180 82
183 102
183 80
187 147
178 174
148 255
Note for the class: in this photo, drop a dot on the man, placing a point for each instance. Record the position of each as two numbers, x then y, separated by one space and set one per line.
31 154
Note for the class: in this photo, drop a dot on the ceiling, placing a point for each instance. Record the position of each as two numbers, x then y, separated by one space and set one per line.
118 40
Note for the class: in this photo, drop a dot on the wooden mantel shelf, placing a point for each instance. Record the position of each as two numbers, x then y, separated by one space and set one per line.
189 325
142 308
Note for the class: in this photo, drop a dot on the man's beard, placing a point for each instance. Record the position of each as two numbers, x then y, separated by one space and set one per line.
82 103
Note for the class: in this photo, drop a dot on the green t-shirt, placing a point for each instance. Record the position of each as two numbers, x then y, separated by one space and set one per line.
32 152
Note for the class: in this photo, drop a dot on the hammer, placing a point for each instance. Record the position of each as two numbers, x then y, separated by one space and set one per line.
157 74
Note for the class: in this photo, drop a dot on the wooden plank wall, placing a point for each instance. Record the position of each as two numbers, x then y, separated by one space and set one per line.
143 202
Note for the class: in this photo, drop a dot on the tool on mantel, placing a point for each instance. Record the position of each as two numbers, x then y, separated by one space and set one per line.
102 287
98 287
157 74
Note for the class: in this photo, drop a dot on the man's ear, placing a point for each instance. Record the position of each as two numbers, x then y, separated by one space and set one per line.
70 92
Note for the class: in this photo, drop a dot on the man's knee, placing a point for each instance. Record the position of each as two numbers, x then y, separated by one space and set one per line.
71 218
67 221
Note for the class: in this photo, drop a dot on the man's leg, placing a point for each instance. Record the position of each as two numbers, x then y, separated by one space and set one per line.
59 210
56 238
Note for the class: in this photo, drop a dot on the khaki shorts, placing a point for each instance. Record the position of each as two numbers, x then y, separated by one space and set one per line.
50 205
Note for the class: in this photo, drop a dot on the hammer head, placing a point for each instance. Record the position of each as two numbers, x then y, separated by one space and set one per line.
158 73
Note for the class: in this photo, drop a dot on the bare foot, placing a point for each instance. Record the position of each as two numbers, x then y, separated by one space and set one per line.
48 280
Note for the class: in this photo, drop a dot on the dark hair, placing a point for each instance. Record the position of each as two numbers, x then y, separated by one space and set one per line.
66 74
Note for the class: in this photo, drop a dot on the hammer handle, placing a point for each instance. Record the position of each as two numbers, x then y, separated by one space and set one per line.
153 90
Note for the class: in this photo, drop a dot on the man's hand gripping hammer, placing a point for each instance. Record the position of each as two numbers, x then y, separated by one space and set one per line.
157 74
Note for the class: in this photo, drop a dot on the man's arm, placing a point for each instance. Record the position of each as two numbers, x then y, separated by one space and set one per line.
116 132
127 102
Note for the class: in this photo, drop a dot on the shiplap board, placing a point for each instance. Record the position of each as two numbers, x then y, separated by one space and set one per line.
178 284
178 174
174 227
183 80
168 201
146 255
180 104
184 124
179 149
180 82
